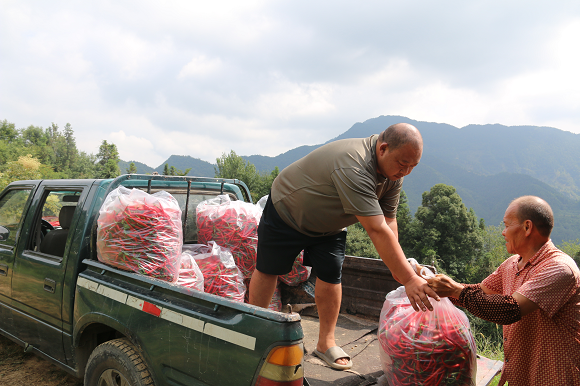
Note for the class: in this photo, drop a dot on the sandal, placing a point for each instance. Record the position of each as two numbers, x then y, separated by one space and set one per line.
331 355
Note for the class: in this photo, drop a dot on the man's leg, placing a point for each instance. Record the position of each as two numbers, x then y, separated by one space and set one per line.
262 287
327 297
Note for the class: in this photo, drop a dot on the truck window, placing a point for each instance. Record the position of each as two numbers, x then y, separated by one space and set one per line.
51 234
12 206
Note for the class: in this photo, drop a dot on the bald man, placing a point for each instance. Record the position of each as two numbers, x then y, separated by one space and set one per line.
313 201
534 294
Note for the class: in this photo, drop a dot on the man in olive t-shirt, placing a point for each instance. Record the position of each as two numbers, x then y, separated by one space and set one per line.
311 203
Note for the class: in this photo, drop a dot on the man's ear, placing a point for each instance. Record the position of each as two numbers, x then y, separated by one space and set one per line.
528 227
383 147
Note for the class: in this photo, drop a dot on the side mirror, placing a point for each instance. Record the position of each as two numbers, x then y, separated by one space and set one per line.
4 233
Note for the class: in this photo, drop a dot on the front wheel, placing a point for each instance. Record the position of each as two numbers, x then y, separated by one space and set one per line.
117 363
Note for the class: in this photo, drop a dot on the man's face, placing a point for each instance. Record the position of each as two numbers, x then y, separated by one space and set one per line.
514 232
396 164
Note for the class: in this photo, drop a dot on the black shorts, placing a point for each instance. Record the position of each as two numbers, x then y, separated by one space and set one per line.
279 245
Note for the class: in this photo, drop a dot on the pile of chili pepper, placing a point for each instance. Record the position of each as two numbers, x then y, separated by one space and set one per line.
232 224
426 348
220 275
190 275
141 233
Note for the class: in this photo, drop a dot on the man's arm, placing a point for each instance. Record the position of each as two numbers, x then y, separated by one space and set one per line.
526 305
392 223
387 245
483 302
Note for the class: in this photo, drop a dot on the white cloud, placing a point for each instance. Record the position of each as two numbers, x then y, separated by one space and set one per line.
294 99
133 147
200 66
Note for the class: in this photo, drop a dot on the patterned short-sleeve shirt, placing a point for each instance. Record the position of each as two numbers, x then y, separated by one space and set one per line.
543 348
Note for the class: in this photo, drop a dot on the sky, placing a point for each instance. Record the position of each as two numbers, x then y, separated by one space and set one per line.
202 78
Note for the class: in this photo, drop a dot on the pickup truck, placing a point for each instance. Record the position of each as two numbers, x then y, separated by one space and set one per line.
115 327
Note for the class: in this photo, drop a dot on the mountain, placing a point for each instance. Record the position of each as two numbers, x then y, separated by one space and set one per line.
490 195
267 164
141 167
545 153
198 167
489 165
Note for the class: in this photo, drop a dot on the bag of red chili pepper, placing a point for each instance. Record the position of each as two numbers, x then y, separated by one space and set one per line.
300 273
425 348
190 275
220 275
232 224
140 232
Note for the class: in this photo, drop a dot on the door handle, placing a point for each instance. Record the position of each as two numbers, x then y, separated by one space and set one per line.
3 270
49 285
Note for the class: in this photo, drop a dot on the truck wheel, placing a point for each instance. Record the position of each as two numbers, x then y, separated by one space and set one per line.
117 363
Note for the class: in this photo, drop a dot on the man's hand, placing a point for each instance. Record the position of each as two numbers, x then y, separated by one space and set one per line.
445 286
417 290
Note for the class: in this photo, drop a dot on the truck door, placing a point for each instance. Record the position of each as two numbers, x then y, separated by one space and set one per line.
39 270
13 204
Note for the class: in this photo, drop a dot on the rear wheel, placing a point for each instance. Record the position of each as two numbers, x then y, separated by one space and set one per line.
117 363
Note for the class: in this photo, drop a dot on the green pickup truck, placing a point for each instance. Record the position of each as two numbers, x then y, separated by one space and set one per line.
114 327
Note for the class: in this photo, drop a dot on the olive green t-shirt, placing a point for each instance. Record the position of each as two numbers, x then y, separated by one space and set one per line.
321 193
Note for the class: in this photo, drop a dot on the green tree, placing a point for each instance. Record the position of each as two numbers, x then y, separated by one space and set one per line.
71 151
56 149
179 172
445 232
11 146
34 136
493 253
25 168
132 169
404 220
166 170
84 166
572 249
8 132
233 166
264 183
358 242
107 161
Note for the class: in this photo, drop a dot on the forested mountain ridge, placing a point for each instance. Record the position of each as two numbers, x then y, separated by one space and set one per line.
548 154
489 165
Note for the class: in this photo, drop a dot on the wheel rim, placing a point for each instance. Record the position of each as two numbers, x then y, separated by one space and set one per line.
112 377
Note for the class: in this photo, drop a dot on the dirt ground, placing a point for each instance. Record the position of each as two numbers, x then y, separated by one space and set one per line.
18 368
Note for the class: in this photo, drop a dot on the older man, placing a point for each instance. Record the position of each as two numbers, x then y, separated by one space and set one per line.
535 294
311 203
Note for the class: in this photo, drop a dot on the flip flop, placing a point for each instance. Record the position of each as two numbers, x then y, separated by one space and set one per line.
331 355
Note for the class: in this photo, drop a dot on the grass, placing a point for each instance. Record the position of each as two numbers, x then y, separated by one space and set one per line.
490 347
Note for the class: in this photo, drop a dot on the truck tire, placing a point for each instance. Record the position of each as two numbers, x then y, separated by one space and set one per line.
117 363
